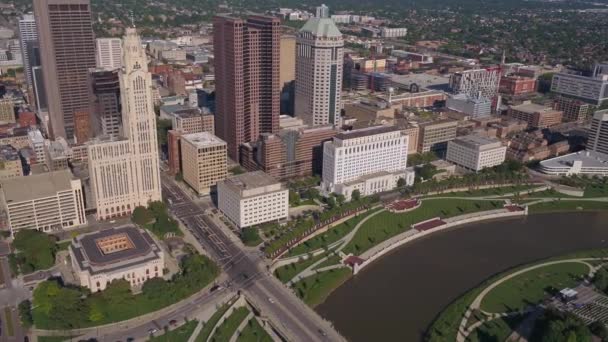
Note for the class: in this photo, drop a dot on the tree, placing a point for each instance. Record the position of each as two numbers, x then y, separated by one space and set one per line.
142 216
331 201
340 199
400 182
36 250
599 329
312 193
600 280
157 208
294 198
162 128
356 195
25 313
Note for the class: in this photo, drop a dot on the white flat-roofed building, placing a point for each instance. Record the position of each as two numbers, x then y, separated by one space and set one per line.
47 202
253 198
363 152
394 32
119 253
583 162
204 160
375 183
473 106
475 153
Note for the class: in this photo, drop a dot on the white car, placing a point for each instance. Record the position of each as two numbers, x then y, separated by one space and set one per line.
271 300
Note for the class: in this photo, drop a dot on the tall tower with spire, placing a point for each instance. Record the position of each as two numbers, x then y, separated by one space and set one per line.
125 172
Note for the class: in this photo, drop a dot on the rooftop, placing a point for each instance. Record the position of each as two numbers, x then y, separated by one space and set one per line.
113 248
532 108
364 132
589 159
203 139
8 153
478 142
251 180
36 186
321 27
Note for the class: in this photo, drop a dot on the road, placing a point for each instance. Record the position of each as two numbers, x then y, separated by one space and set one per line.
11 295
247 271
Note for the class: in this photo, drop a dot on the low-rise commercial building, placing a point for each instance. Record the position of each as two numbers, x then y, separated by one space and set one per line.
536 115
375 183
583 162
126 253
253 198
7 110
46 202
354 155
476 153
517 85
204 161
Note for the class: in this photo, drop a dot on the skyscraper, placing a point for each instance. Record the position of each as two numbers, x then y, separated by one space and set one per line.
247 79
598 133
319 58
67 52
105 97
109 53
27 34
125 171
322 11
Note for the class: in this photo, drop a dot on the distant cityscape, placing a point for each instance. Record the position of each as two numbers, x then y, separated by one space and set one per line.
220 180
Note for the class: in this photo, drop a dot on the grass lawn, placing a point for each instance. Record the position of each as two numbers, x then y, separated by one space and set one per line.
287 272
180 334
596 190
332 235
224 332
8 315
495 330
253 332
332 260
208 326
566 205
386 224
316 288
549 193
63 246
531 287
500 191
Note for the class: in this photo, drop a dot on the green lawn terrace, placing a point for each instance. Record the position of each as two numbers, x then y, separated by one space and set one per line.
305 227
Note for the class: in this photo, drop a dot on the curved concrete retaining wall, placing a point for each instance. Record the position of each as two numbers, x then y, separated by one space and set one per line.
409 238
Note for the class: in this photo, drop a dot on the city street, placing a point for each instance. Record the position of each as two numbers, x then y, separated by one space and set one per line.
247 271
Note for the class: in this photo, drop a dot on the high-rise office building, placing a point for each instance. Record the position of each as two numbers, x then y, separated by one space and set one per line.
592 89
109 53
247 79
105 97
67 52
28 33
319 59
598 133
322 11
125 171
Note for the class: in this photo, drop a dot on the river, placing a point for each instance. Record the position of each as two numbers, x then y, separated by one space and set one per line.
397 297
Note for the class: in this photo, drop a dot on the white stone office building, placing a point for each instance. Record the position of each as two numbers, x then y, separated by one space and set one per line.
475 153
119 253
473 106
253 198
109 53
47 202
124 171
319 58
370 159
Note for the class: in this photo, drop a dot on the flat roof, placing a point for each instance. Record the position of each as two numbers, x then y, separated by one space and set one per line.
589 159
89 255
532 108
203 139
36 186
367 131
251 180
476 141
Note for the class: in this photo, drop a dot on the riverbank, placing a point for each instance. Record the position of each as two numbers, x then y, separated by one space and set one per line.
398 297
